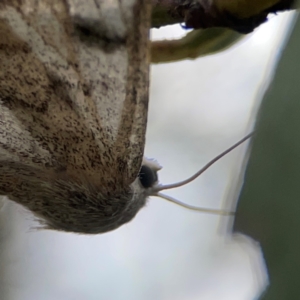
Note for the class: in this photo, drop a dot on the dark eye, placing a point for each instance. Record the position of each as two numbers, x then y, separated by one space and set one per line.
147 176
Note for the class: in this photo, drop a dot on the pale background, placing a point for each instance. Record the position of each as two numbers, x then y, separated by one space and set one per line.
197 109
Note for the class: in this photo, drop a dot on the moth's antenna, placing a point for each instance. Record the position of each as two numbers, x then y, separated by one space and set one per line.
159 188
201 209
156 189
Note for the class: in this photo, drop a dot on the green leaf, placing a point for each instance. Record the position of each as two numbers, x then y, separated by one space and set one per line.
269 204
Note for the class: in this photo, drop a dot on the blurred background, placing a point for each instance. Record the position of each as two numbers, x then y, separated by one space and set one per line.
197 109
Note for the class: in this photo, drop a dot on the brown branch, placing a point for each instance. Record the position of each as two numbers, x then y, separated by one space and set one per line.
240 15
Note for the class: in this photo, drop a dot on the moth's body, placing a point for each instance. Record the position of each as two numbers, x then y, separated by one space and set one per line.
73 109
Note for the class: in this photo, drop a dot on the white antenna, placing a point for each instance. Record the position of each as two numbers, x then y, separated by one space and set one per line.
158 188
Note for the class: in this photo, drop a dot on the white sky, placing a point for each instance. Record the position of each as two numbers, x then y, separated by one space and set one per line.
197 109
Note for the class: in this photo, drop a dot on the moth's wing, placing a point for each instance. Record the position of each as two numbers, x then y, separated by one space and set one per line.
74 87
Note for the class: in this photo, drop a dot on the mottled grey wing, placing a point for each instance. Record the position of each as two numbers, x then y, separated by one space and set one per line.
73 89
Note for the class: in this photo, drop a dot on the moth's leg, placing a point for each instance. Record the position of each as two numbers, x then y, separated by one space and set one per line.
123 109
133 130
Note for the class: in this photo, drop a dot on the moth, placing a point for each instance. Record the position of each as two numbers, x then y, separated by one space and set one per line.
74 77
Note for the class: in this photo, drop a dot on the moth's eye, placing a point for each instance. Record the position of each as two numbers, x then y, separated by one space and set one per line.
148 176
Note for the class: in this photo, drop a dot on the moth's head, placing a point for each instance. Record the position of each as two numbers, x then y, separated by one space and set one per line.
83 207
